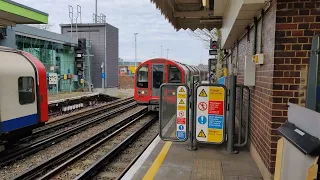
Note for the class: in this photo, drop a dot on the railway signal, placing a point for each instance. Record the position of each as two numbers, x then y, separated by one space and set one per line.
213 48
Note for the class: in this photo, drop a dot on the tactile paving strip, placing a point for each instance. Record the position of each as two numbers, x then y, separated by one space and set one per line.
203 169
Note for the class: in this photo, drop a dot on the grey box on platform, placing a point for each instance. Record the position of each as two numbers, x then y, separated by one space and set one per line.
105 48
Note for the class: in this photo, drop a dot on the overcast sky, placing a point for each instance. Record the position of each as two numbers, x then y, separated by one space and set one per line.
130 16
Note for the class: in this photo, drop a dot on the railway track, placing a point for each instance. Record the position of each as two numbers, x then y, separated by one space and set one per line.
85 159
76 118
30 148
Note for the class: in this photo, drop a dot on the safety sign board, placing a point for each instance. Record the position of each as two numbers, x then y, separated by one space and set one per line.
181 124
210 114
202 134
202 106
203 93
181 114
182 90
53 78
181 101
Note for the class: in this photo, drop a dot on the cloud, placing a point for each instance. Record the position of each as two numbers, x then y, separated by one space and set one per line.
129 16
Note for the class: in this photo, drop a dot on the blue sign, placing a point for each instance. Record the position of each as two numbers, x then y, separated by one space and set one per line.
103 75
215 121
181 127
68 71
181 135
202 119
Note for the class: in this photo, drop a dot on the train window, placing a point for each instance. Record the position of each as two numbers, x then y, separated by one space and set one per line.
26 90
174 75
142 77
157 75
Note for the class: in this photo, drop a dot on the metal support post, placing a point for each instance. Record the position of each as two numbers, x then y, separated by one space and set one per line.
96 20
102 78
135 50
191 147
232 117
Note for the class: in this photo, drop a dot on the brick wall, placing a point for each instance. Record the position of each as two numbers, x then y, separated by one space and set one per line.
126 82
296 23
288 27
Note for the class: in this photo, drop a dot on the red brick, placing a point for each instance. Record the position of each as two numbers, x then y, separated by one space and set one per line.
308 33
284 113
305 60
297 19
286 26
288 33
279 119
282 93
278 73
276 100
287 12
280 106
294 74
303 40
294 87
310 5
276 113
284 54
315 26
303 26
315 12
298 5
286 74
288 46
301 53
294 100
296 47
283 80
304 12
309 19
283 67
297 33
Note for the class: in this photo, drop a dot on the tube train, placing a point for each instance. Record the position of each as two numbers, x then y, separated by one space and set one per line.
152 73
23 94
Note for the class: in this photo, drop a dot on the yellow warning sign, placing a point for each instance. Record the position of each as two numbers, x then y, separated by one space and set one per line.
183 96
181 108
203 93
202 134
181 102
182 90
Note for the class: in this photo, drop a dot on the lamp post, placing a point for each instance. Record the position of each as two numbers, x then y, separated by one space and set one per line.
167 53
135 50
161 51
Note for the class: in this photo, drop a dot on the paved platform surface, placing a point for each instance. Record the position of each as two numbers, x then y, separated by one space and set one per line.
208 162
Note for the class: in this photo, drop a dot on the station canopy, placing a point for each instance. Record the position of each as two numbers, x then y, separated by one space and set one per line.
12 13
232 16
191 14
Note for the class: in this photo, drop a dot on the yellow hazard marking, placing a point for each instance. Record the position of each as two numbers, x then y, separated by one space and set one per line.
182 90
202 134
182 96
203 93
181 102
182 108
152 171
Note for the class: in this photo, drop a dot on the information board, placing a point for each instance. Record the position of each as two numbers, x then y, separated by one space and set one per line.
53 78
210 114
181 131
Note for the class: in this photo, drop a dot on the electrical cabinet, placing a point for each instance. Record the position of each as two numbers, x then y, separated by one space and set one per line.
249 71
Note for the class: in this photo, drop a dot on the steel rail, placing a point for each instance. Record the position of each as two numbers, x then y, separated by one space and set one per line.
62 160
104 160
7 158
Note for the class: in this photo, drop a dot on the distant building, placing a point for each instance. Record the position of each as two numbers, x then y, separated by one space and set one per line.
127 68
104 40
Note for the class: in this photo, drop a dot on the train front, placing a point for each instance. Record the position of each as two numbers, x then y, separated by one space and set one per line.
150 75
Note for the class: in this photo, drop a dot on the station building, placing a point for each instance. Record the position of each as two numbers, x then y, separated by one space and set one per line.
279 30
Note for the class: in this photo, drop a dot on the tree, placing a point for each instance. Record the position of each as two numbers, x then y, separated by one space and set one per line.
47 27
205 36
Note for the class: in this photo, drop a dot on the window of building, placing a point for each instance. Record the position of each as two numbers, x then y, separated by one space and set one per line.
142 77
174 75
26 90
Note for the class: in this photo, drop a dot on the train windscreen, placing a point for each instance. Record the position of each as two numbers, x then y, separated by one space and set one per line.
174 75
142 77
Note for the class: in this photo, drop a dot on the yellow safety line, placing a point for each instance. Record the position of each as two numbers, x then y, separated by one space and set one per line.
152 171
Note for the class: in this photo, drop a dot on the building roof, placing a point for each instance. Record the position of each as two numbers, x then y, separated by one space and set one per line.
12 13
28 31
190 14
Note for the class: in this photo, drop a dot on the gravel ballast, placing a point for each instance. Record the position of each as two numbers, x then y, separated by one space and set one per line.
9 172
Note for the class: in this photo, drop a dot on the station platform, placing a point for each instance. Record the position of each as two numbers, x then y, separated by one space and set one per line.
164 160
